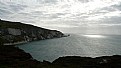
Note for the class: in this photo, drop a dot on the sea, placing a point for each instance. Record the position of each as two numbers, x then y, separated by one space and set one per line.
77 44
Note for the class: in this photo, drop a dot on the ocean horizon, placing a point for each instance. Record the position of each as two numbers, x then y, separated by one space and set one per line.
85 45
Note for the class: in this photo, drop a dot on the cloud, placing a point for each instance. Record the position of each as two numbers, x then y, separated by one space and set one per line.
84 1
117 6
56 12
47 1
9 9
4 12
17 7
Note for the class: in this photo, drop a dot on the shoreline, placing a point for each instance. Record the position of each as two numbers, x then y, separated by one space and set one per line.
15 33
24 42
11 56
15 43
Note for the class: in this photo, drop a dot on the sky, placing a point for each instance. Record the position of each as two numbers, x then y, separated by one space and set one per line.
64 14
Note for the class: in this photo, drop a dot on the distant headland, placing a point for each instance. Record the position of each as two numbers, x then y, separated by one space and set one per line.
12 33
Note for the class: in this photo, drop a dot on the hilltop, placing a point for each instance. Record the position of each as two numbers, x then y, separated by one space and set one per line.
15 33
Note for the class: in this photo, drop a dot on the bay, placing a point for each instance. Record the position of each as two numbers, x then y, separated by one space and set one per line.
85 45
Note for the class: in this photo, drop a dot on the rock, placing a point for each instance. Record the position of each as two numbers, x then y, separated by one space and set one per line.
16 32
13 57
88 62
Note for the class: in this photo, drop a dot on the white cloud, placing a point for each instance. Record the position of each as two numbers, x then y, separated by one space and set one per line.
69 12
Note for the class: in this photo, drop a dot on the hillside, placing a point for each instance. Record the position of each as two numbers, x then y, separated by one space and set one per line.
16 32
12 33
13 57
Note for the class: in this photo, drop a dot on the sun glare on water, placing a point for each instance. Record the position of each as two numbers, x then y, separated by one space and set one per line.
94 36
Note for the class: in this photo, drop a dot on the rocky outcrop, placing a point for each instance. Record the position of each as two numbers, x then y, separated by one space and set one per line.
88 62
16 32
13 57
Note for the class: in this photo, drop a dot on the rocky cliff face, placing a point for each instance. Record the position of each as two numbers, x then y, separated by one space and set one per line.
16 32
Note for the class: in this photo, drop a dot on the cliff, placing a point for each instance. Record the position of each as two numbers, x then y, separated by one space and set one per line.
88 62
13 57
16 33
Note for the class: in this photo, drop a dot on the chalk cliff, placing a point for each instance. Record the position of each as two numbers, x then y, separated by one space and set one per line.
16 32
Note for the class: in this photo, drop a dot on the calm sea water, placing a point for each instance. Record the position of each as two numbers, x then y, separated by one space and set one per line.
74 45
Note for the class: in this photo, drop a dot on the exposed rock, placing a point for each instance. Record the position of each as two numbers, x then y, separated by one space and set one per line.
16 32
13 57
88 62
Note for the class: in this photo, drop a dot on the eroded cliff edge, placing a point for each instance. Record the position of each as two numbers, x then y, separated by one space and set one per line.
15 33
13 57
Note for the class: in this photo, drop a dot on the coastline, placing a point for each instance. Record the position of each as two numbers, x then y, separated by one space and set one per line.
11 56
15 33
15 43
23 42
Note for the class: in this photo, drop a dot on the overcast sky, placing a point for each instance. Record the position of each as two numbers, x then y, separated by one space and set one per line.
62 13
